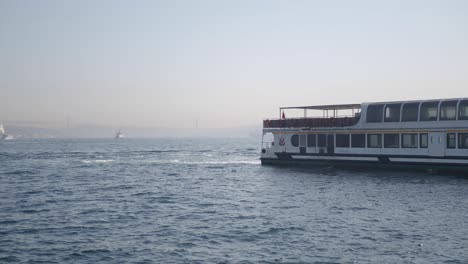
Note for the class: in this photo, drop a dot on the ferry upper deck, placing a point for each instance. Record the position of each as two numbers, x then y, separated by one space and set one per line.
437 113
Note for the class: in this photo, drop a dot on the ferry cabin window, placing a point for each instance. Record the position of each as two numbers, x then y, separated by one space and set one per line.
463 110
311 140
409 140
448 110
392 113
423 139
451 141
391 140
295 140
322 140
410 112
358 140
428 111
302 141
374 140
374 113
463 140
342 140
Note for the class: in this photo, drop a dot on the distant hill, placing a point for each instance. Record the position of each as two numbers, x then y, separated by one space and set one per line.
31 132
90 131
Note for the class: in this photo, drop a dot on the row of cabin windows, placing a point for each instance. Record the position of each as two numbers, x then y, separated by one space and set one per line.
313 140
410 112
408 140
462 140
377 140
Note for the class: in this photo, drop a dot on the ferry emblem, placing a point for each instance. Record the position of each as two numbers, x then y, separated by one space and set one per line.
281 141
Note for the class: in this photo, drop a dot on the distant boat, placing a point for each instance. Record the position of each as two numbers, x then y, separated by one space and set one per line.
119 135
3 134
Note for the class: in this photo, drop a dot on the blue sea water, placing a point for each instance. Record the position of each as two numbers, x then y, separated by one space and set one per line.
210 201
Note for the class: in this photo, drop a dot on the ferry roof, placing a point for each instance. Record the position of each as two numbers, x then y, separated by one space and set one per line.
325 107
358 106
417 101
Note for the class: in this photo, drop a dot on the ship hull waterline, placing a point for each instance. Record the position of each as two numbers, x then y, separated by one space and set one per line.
446 167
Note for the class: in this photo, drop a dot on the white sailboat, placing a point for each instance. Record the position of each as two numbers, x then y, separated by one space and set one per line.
3 135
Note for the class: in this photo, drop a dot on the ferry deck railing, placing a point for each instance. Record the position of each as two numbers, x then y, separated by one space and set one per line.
311 122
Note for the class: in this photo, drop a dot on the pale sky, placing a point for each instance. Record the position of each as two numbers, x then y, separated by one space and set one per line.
225 63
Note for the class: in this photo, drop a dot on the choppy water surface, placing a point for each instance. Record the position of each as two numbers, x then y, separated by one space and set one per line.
210 201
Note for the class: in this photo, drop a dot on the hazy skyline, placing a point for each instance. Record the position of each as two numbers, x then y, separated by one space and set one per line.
223 63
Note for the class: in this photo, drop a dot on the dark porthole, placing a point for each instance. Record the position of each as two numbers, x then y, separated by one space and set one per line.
295 140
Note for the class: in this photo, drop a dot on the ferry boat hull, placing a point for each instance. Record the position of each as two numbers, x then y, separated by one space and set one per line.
390 163
433 137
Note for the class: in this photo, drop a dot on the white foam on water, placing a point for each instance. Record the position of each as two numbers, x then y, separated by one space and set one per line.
98 161
225 162
233 162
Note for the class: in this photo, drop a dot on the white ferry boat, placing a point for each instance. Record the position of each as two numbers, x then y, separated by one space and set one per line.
119 135
426 134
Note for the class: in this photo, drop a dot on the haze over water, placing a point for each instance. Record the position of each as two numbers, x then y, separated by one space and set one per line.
173 64
210 201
